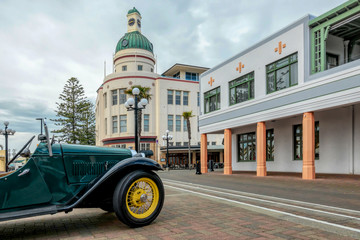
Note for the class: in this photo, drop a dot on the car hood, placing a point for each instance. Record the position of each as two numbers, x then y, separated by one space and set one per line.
73 149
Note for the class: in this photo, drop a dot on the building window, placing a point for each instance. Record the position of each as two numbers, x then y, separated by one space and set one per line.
270 145
122 96
105 100
178 123
186 144
123 123
145 146
192 76
114 96
332 60
213 143
151 70
212 100
146 122
185 125
171 123
177 97
178 144
105 126
140 67
170 97
242 89
185 98
124 68
298 143
247 147
198 99
114 124
171 144
317 140
177 75
282 74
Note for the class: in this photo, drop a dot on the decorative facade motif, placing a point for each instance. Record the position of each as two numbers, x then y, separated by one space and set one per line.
280 47
240 67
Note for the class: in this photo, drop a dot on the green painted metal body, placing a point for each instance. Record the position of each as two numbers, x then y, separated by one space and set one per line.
56 180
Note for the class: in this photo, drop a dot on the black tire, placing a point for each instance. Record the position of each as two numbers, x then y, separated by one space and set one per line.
138 198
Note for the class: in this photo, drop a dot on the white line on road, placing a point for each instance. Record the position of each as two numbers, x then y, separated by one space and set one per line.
270 210
268 201
270 197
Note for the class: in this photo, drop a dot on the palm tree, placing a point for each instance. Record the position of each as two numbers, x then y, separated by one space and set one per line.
187 116
144 93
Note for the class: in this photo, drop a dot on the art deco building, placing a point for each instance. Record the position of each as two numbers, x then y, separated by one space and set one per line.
172 93
290 103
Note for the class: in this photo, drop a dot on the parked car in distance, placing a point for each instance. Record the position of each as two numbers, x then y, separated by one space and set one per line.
61 177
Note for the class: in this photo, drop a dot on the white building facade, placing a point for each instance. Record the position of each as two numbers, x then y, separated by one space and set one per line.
290 103
172 93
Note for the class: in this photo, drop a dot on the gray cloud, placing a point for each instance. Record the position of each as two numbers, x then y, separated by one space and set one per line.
43 43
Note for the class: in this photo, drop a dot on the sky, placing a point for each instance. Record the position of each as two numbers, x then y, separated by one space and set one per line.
43 43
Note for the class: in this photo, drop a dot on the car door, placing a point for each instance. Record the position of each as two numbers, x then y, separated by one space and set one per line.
23 187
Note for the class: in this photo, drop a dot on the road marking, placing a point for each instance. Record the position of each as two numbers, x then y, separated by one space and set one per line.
271 197
270 210
268 201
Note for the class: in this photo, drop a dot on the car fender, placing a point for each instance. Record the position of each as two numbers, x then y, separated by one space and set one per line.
118 171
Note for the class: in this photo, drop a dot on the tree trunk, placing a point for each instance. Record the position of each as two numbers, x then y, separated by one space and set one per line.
189 137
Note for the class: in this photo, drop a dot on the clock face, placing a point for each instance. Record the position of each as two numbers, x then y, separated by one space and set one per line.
131 21
124 43
139 23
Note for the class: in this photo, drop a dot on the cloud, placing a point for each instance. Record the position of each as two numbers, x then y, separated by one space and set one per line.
44 43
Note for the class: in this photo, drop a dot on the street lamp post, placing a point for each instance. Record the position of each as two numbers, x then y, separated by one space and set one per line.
7 132
167 137
134 105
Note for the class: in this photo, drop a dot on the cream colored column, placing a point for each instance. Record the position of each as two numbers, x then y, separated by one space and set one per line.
203 153
261 149
308 146
227 152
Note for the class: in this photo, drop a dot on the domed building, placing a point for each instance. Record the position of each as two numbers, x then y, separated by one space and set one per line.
172 93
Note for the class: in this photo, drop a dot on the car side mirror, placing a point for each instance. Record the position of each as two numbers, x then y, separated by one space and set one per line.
25 153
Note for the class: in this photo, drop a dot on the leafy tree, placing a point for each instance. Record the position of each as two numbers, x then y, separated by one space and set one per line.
87 136
75 114
144 93
187 116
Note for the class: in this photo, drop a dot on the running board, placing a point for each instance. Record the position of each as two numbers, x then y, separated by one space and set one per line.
29 213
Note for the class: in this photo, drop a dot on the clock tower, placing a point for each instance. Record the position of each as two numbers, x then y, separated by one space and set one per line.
134 20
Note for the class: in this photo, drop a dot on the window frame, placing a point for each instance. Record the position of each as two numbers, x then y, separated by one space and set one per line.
122 121
122 96
177 97
209 94
243 141
124 68
140 67
146 122
114 97
272 69
316 142
185 98
114 119
233 84
178 123
170 96
270 137
170 118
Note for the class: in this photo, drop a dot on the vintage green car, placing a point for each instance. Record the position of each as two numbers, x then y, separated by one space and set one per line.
61 177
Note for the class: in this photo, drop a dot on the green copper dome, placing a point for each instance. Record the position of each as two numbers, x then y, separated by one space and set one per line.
133 10
134 40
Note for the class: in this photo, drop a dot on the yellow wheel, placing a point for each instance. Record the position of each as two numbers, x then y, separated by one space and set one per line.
142 198
138 198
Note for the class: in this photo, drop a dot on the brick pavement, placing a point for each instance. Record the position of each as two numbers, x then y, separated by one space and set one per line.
184 216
